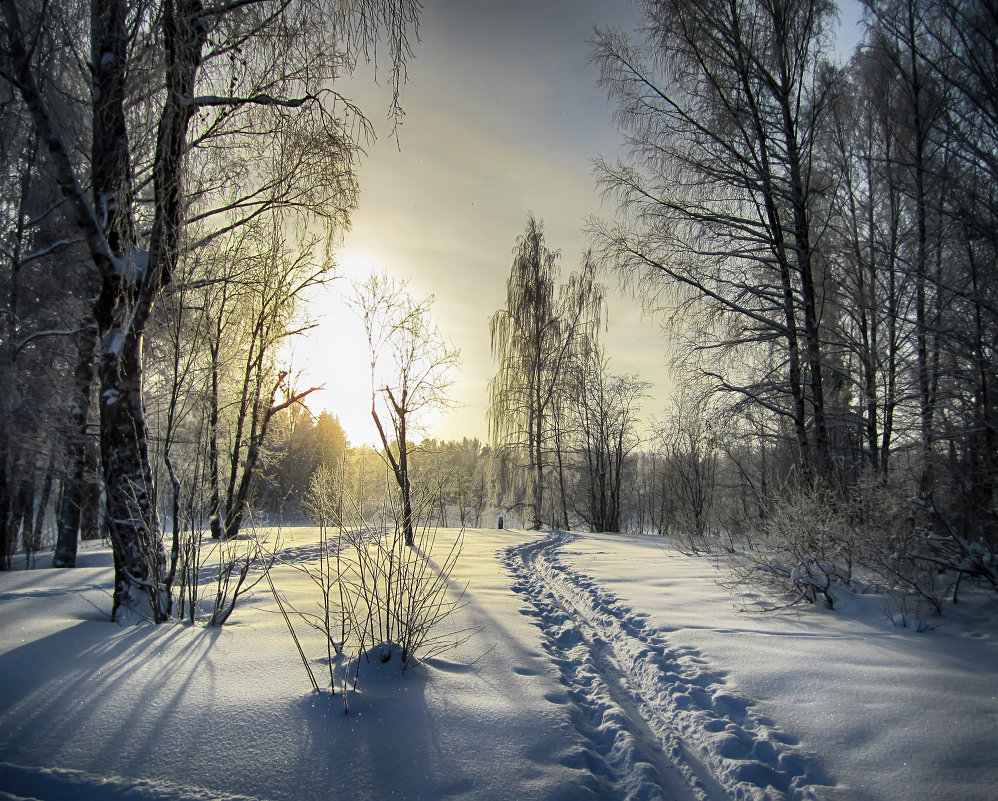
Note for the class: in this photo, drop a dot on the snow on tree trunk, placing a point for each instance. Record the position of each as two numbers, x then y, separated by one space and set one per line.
139 558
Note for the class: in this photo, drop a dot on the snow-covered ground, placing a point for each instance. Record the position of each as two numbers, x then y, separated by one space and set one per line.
600 666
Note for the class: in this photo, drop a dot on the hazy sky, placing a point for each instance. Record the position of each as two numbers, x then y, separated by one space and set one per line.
503 117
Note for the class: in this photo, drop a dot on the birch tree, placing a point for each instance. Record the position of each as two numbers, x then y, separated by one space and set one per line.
946 52
533 340
723 104
45 338
901 32
870 231
604 413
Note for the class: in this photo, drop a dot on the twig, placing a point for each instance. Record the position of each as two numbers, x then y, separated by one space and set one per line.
294 635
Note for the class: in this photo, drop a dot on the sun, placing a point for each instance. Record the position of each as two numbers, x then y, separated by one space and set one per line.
333 354
355 265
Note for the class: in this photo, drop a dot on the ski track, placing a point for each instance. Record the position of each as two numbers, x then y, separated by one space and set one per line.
658 723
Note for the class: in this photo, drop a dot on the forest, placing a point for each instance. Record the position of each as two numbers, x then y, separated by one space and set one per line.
818 236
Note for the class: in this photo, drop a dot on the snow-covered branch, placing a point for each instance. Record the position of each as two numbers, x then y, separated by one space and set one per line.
259 100
52 332
38 254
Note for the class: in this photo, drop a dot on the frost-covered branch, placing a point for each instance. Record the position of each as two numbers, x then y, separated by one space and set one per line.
207 101
40 254
52 332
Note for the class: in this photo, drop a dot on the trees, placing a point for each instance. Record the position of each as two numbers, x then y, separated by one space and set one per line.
300 445
533 340
724 105
826 240
913 118
175 85
868 228
411 371
251 317
688 442
453 476
46 342
962 56
604 411
919 154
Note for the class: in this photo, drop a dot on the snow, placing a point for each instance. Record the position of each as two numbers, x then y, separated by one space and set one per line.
599 666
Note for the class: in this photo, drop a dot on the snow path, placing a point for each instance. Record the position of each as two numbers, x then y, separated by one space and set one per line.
660 724
663 660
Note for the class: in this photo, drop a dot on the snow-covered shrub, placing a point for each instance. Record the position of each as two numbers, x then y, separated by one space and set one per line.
227 569
802 548
399 594
236 558
903 609
899 545
874 533
969 557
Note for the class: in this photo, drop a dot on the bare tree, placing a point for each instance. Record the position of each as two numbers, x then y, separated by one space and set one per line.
689 442
604 415
961 51
901 35
45 340
724 104
411 372
870 229
251 312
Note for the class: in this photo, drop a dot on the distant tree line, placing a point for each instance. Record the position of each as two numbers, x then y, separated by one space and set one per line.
452 483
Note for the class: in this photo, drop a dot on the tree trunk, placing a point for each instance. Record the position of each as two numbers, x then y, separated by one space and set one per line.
561 479
537 467
38 524
139 558
404 483
919 164
7 541
71 504
21 517
121 311
90 514
215 502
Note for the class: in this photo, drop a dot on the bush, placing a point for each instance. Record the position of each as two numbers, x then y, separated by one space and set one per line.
801 548
814 539
373 593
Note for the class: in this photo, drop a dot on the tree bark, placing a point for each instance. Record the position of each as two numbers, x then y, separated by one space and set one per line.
133 525
74 491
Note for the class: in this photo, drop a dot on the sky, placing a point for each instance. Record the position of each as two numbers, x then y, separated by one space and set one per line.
503 118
